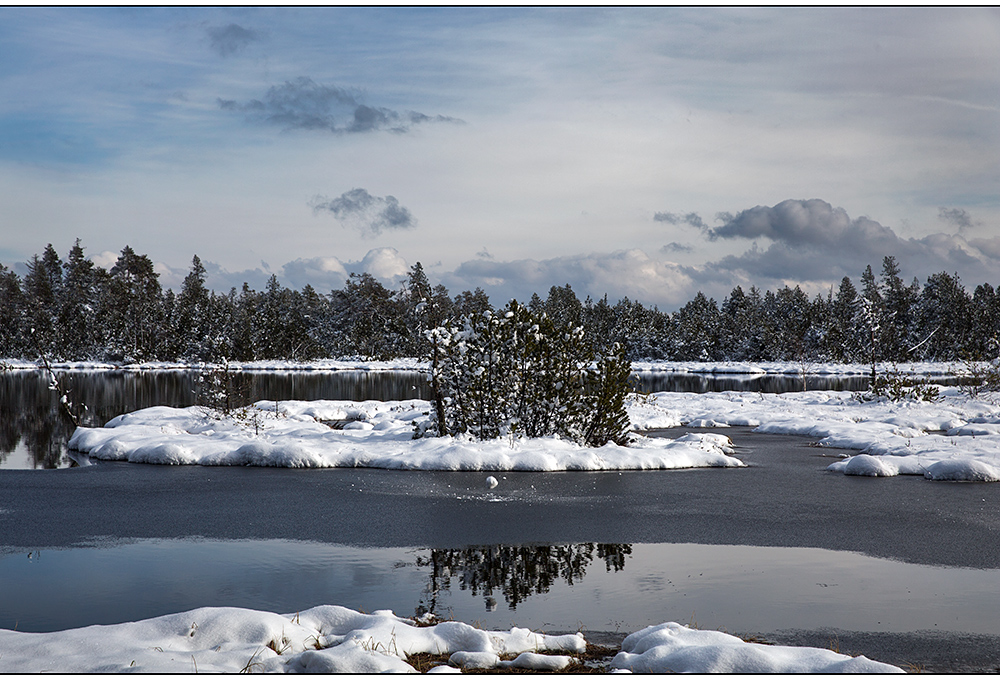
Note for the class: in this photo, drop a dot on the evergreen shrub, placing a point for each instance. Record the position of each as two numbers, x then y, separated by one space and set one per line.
519 373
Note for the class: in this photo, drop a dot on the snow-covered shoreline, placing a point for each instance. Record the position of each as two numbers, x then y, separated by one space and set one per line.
333 639
920 369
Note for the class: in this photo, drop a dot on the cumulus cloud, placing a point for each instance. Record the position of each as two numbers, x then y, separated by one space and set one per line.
385 264
371 215
322 273
623 273
232 39
812 241
799 223
303 104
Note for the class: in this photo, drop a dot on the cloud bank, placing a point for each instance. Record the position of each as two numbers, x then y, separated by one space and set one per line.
796 242
371 215
303 104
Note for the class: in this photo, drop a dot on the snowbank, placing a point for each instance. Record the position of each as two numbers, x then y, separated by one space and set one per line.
955 438
366 434
331 639
923 368
413 364
673 648
325 639
403 364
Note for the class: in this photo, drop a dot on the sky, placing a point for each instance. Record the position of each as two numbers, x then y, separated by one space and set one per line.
647 153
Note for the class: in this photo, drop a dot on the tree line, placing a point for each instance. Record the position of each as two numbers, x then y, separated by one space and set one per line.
75 310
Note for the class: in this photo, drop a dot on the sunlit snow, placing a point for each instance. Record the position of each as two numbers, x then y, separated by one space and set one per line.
333 639
375 434
955 438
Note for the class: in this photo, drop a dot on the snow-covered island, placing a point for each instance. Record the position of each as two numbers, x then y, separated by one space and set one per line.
332 639
953 438
377 434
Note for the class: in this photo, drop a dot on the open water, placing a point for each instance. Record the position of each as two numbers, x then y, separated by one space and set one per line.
900 569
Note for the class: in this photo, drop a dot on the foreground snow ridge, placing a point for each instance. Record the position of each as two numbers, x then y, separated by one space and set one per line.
372 434
332 639
956 438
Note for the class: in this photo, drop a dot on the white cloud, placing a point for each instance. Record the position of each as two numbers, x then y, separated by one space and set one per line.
385 264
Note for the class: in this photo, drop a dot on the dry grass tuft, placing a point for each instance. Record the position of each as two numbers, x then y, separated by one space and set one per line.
424 661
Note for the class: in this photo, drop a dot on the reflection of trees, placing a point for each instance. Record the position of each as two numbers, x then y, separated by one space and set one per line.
517 571
32 413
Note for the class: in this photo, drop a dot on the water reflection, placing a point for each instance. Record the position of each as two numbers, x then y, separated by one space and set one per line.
516 571
34 430
739 588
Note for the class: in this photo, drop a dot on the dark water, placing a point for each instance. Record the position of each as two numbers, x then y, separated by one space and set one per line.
701 383
34 430
904 569
899 569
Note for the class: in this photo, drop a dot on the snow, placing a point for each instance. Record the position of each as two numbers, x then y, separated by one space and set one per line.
955 438
755 370
728 368
333 639
673 648
373 434
401 364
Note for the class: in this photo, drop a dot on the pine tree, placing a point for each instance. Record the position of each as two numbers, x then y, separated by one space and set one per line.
191 320
943 318
899 302
698 329
13 316
79 331
132 309
43 295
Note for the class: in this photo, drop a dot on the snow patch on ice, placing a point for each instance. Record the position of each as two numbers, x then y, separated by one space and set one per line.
673 648
891 438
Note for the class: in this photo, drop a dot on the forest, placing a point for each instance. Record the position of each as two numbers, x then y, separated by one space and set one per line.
73 310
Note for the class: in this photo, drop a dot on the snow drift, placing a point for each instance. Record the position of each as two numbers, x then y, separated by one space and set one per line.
332 639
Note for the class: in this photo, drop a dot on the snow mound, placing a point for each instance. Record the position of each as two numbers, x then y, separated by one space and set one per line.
673 648
332 639
955 438
962 471
375 434
325 639
870 466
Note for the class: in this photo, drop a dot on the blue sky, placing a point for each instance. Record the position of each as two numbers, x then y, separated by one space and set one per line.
647 153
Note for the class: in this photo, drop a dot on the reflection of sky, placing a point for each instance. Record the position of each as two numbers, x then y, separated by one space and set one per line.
737 588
